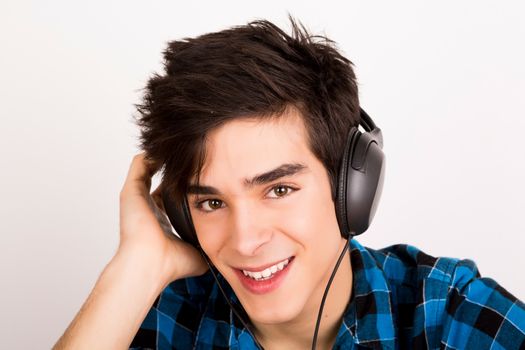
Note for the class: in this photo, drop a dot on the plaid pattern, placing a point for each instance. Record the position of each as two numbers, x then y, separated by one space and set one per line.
401 299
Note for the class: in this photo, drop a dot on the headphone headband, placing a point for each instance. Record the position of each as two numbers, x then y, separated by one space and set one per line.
369 126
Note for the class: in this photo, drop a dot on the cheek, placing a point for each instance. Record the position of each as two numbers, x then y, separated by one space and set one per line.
310 219
210 233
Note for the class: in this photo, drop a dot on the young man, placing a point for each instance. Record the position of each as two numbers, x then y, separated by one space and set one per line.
250 126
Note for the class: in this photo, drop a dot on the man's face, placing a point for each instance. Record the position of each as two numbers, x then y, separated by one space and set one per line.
273 237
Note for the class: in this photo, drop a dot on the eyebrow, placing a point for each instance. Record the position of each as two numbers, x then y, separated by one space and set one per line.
260 179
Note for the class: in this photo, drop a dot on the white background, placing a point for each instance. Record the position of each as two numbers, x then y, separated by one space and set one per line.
444 80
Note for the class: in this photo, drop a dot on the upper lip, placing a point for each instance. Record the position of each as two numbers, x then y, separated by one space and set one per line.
262 267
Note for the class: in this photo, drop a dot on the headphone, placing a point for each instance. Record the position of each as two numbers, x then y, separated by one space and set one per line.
359 185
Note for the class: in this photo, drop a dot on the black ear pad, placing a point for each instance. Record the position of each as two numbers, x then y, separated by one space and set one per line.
360 182
180 218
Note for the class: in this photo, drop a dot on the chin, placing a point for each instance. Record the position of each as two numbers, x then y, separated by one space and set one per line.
276 313
275 308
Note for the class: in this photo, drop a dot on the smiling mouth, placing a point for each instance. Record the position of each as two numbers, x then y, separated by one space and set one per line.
265 279
268 272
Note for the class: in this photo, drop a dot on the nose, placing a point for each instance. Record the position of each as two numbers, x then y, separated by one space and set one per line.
251 229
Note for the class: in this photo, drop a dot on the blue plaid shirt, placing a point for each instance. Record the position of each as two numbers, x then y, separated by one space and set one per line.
401 299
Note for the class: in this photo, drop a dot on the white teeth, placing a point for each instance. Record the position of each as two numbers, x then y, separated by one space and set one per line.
266 273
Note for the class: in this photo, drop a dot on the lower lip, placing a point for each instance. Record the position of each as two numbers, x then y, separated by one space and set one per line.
264 286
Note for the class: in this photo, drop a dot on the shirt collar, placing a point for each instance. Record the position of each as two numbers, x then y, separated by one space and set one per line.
368 318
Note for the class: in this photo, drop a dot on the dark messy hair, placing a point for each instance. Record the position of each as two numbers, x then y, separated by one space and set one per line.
250 71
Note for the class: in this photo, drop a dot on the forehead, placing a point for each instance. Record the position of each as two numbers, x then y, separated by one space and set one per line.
247 146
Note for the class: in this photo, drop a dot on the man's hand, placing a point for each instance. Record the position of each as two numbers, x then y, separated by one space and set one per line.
145 232
148 258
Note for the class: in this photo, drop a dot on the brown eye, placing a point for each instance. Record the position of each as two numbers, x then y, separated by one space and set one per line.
211 204
215 203
280 190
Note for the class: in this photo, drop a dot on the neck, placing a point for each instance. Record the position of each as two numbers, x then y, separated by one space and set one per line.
298 333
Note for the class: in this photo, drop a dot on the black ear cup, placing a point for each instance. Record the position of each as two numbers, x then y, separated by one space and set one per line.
360 180
180 218
360 183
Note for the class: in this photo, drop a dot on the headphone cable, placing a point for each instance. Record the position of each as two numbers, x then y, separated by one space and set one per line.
314 340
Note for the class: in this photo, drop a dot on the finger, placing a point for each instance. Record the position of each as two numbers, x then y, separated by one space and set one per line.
140 172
